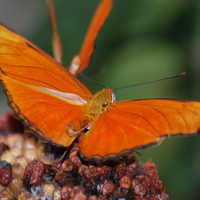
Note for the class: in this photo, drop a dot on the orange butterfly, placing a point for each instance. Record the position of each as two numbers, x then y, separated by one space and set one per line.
55 105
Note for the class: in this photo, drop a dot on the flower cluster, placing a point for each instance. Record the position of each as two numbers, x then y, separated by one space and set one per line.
29 170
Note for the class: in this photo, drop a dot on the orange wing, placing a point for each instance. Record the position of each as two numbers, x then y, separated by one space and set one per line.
23 61
36 87
88 45
132 125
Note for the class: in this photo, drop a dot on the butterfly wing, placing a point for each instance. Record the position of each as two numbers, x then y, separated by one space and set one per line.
23 61
132 125
97 22
36 87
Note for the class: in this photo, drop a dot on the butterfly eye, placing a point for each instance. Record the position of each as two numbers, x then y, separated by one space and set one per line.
114 97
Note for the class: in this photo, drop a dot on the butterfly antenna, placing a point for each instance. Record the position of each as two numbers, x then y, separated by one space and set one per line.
92 81
162 79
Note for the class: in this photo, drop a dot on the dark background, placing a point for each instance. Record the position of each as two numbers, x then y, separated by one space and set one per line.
141 41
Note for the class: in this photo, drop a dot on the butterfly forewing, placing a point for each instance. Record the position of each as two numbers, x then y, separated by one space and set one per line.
28 77
23 61
97 22
132 125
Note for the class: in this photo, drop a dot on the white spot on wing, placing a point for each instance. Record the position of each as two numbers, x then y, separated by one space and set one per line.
75 99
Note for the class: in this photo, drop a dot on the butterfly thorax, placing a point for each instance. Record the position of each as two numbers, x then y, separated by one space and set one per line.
95 106
99 103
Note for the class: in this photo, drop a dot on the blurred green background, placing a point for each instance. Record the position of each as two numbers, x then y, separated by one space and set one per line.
141 41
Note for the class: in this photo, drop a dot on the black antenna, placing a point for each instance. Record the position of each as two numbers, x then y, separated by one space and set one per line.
162 79
92 81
